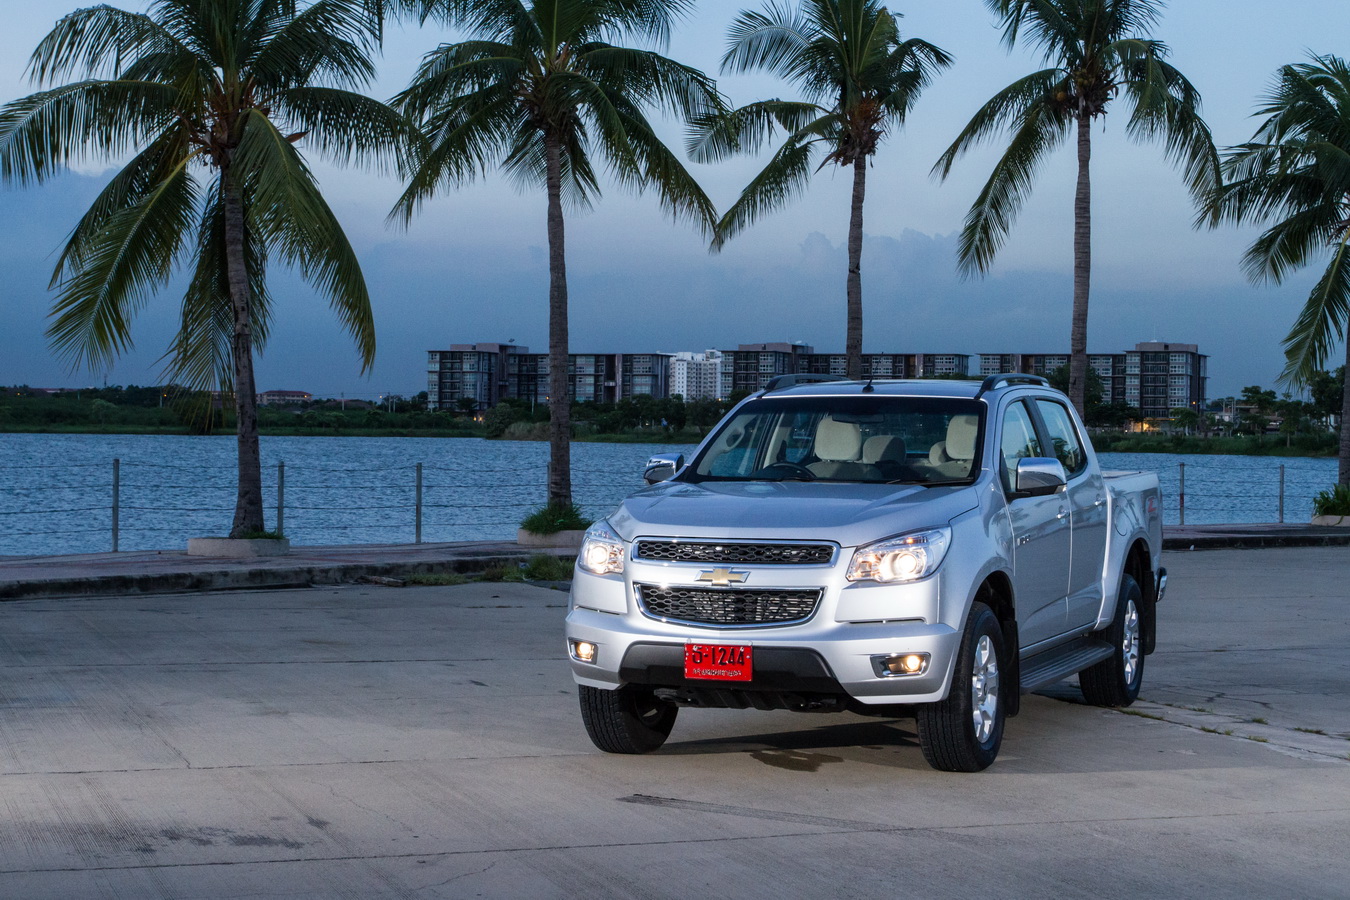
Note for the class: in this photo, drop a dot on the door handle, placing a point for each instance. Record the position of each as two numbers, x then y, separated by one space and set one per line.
1099 501
1062 513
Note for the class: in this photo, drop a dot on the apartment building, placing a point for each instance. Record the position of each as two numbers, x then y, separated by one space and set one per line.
889 365
486 374
476 372
696 376
750 367
284 398
1155 377
1162 377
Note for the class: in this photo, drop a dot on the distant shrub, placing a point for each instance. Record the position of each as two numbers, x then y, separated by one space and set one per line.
543 567
1334 501
554 518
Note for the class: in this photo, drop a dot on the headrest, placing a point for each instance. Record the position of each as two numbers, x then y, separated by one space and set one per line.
883 447
937 454
838 441
961 433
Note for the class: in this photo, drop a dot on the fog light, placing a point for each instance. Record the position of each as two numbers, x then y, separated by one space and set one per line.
583 651
900 664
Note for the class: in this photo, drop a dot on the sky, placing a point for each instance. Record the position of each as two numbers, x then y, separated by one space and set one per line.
472 266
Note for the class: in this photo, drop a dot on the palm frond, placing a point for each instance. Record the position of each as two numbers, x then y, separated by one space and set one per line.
201 355
1292 241
769 40
138 178
119 267
465 137
785 177
93 43
1323 321
715 136
41 133
287 212
1043 127
351 128
1007 109
330 39
1167 105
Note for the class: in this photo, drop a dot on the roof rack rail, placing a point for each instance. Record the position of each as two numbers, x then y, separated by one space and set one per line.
994 381
783 381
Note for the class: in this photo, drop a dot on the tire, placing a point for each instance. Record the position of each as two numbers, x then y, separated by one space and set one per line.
963 732
627 720
1115 680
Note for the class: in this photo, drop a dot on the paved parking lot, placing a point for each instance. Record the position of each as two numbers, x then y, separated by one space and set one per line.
424 742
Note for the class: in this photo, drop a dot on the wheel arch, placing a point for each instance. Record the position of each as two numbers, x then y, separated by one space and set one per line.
996 592
1139 566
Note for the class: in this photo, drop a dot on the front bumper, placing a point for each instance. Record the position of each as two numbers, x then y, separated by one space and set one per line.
831 653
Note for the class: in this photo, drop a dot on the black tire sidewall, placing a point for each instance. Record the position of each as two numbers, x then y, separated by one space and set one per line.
982 622
1130 592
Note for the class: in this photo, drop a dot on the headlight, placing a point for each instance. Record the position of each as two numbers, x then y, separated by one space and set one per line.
905 558
602 551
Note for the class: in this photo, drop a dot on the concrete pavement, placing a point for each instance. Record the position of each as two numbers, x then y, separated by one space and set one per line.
356 741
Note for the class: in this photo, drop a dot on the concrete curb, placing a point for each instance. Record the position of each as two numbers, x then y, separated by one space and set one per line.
1216 539
242 578
164 573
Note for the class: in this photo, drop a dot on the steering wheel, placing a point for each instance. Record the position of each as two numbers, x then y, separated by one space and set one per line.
795 468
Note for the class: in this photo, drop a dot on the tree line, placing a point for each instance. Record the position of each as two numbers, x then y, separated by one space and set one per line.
211 102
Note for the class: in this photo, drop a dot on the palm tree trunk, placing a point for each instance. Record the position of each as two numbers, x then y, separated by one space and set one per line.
853 341
1082 267
1343 475
248 508
559 401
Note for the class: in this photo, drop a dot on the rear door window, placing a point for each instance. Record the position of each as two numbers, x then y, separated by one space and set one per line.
1063 437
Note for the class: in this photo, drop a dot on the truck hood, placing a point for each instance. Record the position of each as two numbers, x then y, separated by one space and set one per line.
848 514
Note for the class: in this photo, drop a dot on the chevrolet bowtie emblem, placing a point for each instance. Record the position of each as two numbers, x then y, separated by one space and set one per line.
722 577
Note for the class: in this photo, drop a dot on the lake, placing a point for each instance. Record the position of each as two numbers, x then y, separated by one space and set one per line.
56 489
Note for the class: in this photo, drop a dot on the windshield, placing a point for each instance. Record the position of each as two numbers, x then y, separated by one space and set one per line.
868 439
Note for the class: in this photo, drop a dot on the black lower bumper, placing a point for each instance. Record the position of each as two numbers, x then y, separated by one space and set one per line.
783 678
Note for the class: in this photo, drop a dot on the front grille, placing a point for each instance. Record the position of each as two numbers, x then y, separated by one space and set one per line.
724 553
700 606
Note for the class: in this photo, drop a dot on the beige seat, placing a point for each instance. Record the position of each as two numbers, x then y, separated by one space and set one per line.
952 458
838 447
887 453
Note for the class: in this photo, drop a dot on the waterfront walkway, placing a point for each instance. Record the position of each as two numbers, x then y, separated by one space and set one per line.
173 571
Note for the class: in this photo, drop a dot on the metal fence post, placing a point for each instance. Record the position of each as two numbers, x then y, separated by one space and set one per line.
281 498
1182 494
1281 494
419 503
116 500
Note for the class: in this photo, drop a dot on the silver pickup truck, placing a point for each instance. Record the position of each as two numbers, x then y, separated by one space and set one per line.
930 549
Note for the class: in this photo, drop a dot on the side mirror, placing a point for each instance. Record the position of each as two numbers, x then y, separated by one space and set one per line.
1038 476
662 467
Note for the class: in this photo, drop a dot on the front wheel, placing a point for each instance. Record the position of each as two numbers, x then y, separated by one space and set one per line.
1115 680
963 732
630 719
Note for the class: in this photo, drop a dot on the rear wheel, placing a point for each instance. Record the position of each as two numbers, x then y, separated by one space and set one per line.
1115 680
630 719
963 732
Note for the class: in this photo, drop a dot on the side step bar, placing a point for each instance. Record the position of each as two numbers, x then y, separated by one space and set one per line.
1060 662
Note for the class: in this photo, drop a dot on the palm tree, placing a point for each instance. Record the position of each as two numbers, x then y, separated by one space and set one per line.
210 97
1096 53
1296 169
543 90
860 80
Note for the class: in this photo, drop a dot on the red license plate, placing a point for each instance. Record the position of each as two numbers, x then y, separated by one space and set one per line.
718 662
